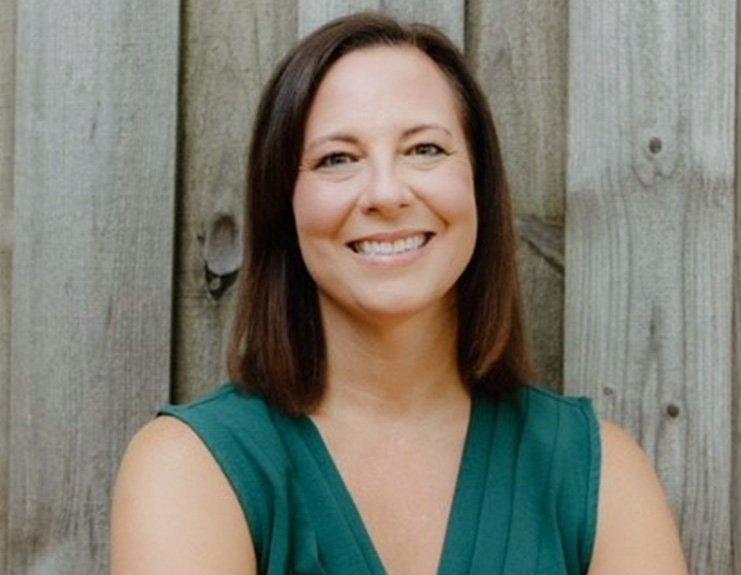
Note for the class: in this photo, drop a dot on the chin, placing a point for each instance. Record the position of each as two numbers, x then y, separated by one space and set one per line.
398 309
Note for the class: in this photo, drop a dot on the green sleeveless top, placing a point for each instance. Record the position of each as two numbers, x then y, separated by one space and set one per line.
525 500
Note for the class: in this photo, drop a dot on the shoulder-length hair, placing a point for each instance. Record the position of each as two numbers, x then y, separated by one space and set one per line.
277 345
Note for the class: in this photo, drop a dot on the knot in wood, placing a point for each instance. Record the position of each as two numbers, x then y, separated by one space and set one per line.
655 145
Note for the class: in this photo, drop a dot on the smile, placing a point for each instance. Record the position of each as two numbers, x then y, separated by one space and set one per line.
396 247
398 252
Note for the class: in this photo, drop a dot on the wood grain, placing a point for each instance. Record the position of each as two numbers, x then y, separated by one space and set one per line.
649 243
7 118
449 16
736 340
92 267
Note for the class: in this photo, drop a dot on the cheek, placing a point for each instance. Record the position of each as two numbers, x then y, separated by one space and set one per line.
450 193
317 211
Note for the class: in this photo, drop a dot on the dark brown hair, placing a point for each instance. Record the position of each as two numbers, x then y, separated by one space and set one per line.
277 345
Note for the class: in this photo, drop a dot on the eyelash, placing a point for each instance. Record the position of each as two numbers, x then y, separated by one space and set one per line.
323 160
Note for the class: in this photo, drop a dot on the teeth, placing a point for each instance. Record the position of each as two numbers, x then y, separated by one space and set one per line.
396 247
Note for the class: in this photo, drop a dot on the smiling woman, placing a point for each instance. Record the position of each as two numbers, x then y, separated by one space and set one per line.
381 415
374 130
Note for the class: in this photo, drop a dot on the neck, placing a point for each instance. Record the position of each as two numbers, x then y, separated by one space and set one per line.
396 369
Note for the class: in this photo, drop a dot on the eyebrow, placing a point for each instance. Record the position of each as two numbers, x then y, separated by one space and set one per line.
349 138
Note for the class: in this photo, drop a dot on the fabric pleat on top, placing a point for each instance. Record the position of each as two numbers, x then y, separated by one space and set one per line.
525 501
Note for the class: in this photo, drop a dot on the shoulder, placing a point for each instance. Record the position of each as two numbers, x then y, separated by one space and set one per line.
636 529
228 411
564 423
542 398
169 487
543 395
626 518
225 401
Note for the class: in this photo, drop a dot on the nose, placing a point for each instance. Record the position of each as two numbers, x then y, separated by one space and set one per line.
385 192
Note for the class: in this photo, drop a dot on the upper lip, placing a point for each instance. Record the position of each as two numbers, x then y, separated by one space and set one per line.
390 236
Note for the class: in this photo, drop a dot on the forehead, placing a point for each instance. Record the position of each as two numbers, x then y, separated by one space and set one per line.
383 85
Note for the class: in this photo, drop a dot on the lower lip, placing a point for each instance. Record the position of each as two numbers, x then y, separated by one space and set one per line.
393 260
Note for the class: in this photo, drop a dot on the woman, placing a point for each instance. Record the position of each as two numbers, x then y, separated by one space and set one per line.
378 417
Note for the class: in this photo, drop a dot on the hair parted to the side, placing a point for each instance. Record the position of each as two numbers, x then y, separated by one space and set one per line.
277 346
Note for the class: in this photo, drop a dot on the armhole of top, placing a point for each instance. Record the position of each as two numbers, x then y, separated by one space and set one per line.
594 471
219 446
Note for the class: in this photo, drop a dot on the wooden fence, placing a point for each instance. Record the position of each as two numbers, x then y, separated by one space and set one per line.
123 131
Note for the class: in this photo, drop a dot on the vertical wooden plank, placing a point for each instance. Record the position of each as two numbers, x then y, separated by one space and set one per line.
736 336
231 48
649 241
94 192
7 104
519 51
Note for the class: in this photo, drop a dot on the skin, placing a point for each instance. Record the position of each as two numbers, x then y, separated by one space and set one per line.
391 355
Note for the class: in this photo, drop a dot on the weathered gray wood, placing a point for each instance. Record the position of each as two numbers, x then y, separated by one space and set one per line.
649 243
231 49
736 344
519 51
92 272
447 15
7 100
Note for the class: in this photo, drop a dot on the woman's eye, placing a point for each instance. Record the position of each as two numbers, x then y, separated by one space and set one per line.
428 146
342 158
327 160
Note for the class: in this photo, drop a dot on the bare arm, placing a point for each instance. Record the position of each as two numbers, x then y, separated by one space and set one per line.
174 511
636 530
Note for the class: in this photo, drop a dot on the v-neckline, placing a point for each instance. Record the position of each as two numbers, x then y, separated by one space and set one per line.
462 522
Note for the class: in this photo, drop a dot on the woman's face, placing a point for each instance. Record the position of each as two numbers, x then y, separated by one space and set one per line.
385 159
